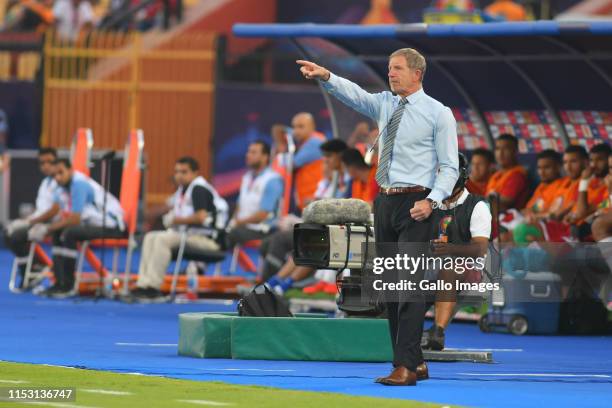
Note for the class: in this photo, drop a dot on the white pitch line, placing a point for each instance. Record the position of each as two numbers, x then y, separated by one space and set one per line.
205 402
14 381
147 344
484 349
248 369
105 392
537 375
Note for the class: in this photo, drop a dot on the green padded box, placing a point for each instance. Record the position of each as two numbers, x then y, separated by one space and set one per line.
208 335
308 339
205 335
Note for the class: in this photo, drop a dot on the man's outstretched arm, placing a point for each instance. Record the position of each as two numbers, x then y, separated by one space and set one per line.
346 91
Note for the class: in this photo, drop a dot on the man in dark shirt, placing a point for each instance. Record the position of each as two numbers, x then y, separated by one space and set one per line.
197 209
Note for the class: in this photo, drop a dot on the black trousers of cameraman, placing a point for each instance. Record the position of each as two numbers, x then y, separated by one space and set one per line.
393 224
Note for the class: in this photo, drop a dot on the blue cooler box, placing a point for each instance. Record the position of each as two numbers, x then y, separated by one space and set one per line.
529 304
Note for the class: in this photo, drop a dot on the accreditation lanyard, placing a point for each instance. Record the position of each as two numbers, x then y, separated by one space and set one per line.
181 199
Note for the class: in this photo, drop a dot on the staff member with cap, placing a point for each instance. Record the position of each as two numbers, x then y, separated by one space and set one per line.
417 169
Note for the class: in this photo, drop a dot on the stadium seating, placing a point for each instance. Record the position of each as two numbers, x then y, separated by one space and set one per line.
470 135
80 150
587 128
240 257
534 129
186 252
35 252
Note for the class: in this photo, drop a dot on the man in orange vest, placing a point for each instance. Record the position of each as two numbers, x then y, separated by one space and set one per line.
510 181
549 170
575 160
602 226
507 9
579 197
307 161
592 189
364 184
482 166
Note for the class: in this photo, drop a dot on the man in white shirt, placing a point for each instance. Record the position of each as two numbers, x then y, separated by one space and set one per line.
45 211
461 219
196 209
72 17
261 192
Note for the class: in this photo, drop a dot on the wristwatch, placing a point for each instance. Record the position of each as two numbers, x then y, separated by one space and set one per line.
434 204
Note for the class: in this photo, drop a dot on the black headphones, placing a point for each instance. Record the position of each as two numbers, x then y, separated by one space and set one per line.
464 172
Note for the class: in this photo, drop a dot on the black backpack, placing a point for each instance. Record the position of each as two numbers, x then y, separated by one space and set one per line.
262 302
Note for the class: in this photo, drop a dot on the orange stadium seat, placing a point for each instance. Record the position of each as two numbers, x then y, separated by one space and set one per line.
240 257
80 150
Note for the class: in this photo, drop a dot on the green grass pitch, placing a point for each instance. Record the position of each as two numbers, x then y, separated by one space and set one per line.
106 389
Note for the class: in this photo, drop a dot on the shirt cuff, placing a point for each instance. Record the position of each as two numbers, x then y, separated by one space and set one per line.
330 83
436 195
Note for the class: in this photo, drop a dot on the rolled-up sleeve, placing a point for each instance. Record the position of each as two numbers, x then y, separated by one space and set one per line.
272 195
445 141
354 96
78 195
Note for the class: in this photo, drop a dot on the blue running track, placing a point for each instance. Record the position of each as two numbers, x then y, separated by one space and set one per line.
530 371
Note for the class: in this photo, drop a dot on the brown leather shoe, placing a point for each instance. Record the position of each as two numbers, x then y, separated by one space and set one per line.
422 372
399 376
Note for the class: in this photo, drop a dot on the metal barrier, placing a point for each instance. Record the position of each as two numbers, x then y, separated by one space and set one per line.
112 82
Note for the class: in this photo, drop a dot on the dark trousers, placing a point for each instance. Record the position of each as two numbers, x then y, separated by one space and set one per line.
65 249
274 250
17 242
242 234
393 224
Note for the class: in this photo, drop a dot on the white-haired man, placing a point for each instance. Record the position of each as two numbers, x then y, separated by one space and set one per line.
417 169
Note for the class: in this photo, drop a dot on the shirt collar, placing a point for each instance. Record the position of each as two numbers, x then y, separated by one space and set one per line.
255 174
414 97
456 203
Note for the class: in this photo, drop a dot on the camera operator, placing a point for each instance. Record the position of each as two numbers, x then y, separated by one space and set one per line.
463 218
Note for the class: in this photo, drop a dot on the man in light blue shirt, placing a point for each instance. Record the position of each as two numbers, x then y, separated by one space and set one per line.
80 201
417 169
